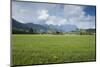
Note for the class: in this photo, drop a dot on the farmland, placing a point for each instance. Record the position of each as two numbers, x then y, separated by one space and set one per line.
46 49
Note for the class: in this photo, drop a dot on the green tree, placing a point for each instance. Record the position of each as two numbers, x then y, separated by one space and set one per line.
31 30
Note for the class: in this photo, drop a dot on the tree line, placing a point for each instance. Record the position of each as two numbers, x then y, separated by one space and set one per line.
55 32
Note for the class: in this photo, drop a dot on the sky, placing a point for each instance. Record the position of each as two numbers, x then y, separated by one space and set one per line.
55 14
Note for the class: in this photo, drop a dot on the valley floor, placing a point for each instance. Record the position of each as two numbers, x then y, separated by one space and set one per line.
47 49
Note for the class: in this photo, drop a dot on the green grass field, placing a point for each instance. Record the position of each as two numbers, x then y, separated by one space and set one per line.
46 49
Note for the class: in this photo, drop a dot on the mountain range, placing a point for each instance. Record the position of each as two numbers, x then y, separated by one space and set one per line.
16 25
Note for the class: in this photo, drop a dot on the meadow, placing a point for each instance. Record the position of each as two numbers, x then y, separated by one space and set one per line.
46 49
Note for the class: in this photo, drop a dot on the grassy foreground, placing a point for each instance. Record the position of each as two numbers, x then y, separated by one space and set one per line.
46 49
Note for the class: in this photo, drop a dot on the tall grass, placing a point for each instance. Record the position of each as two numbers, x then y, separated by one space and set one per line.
46 49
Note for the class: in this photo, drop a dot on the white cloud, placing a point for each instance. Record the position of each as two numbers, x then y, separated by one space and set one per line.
74 15
77 16
43 14
73 11
52 14
56 20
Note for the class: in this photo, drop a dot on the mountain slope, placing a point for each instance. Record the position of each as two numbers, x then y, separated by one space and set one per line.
16 25
37 28
68 27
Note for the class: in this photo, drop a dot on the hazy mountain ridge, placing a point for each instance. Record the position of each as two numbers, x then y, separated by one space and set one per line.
27 26
44 28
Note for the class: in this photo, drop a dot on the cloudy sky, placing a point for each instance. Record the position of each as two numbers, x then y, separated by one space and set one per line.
55 14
